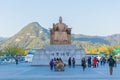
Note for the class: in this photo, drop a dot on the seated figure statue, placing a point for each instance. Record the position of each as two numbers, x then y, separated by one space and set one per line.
59 66
60 31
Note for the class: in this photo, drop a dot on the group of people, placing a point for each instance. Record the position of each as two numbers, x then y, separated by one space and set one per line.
71 62
89 62
95 62
57 64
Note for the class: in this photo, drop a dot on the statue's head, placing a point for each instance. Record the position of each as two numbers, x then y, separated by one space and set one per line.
60 19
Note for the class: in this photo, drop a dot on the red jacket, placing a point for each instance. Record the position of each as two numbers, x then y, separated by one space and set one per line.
95 61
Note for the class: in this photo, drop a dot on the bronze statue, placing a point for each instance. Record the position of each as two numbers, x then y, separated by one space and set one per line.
61 34
61 26
59 66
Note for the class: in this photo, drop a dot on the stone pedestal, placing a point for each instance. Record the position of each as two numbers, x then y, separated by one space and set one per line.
43 56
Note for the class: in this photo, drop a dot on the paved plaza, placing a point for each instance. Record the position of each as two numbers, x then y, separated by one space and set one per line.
24 71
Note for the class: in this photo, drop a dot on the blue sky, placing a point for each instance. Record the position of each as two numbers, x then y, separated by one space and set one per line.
90 17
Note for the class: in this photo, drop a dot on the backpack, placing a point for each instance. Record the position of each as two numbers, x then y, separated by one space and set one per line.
111 62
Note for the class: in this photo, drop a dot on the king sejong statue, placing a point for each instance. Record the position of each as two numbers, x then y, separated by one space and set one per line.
60 47
60 34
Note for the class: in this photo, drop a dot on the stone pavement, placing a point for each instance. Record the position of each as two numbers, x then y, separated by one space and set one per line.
24 71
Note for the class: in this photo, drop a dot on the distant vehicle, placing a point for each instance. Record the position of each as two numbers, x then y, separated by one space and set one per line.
28 57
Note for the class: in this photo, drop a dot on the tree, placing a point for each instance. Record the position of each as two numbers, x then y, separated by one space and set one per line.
13 50
1 53
111 50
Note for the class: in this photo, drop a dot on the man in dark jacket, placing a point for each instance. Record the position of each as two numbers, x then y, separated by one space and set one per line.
83 62
111 64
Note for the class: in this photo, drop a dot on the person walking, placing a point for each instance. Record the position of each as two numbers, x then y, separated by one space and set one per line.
69 62
73 62
83 63
111 64
101 61
16 61
94 62
51 63
115 59
89 61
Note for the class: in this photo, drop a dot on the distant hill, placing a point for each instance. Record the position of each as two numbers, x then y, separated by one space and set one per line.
113 39
34 35
92 39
